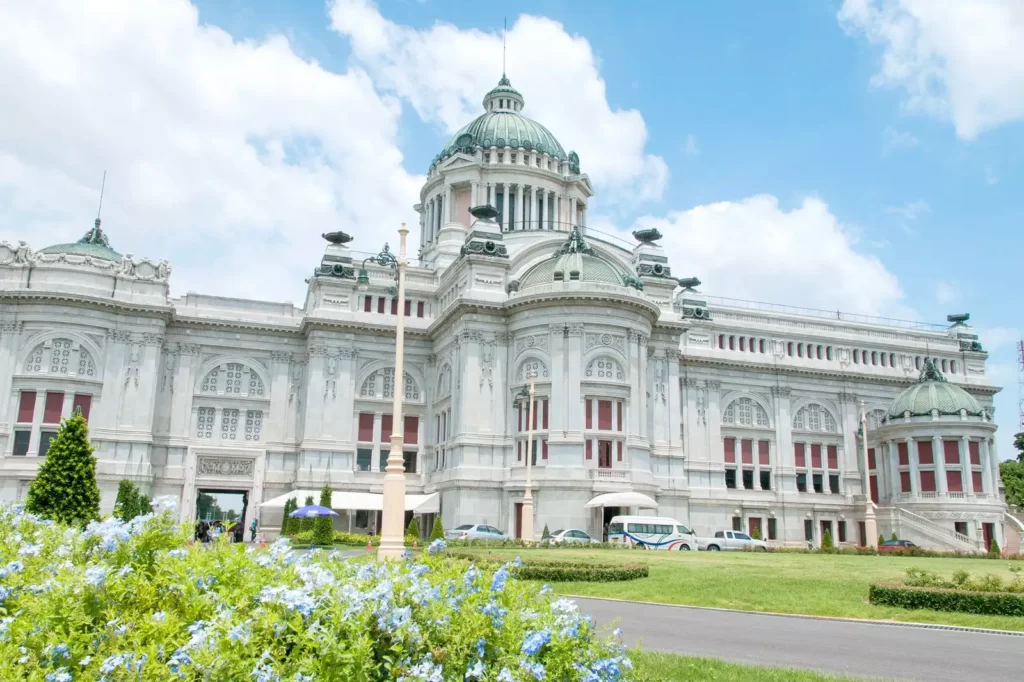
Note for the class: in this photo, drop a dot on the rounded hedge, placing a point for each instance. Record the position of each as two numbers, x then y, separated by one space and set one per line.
551 570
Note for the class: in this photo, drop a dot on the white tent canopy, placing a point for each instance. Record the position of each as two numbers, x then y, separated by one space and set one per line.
346 500
630 499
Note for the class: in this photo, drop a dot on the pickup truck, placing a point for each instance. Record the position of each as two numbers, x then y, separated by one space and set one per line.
730 541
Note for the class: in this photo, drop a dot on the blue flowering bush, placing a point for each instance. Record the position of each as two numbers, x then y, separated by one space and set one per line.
133 601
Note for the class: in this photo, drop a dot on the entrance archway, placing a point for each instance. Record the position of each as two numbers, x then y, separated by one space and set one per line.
229 506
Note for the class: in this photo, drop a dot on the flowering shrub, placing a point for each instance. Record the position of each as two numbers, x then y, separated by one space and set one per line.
132 601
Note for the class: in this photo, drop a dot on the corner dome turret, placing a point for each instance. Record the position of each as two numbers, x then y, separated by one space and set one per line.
93 243
933 394
575 261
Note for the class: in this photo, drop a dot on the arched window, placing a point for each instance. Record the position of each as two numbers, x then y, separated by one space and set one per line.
233 378
60 357
535 367
745 412
604 368
381 384
444 381
814 417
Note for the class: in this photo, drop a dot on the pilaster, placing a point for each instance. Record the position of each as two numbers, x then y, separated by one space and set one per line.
574 403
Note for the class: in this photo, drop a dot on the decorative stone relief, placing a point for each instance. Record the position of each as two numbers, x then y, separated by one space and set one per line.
843 354
280 356
317 351
778 348
660 376
225 466
295 379
188 349
11 327
169 369
528 341
487 363
119 336
605 339
131 372
781 391
331 377
701 399
575 328
149 339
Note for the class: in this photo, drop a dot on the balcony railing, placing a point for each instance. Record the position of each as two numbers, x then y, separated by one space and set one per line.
609 475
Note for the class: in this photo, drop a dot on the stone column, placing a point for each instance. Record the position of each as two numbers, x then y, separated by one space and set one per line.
988 481
474 193
893 459
182 389
915 471
275 418
784 465
504 210
446 216
673 410
558 212
534 216
494 155
939 454
559 403
490 195
542 211
429 228
965 466
574 400
583 216
520 209
572 213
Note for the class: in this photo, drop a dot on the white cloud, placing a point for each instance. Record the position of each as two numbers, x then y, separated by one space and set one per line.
910 211
995 339
959 60
947 292
893 140
755 250
229 158
444 72
691 147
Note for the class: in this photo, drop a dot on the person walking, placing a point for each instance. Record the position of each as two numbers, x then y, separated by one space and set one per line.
252 531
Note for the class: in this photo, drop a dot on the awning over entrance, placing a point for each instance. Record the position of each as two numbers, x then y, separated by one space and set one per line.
346 500
630 499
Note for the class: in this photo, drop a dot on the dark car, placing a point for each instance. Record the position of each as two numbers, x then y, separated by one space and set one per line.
896 546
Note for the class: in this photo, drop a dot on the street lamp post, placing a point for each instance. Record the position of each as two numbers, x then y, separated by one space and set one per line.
870 525
392 535
527 513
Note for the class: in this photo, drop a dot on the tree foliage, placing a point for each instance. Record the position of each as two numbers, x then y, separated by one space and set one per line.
893 537
130 502
65 488
306 525
826 541
756 533
546 534
1018 442
1012 473
413 529
287 522
437 532
323 526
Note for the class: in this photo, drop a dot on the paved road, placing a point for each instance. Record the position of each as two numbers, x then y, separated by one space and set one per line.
836 647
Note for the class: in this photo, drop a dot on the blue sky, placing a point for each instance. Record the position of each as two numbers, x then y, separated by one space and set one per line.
863 155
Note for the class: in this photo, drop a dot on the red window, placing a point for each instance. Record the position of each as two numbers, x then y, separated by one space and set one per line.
544 403
905 482
833 457
816 455
618 407
520 419
412 428
394 306
84 403
604 415
367 304
976 480
954 482
590 449
972 448
747 450
729 449
380 305
951 449
54 406
519 451
619 446
762 453
924 452
419 308
408 308
927 481
871 458
544 448
904 454
27 407
366 427
590 415
874 489
444 424
386 423
799 455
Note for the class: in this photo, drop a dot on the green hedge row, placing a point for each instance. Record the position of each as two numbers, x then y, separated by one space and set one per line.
940 599
348 539
511 543
916 552
547 570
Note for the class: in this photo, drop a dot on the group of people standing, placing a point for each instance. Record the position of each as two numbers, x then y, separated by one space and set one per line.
207 532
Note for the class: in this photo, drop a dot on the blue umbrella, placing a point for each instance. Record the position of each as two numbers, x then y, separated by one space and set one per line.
311 511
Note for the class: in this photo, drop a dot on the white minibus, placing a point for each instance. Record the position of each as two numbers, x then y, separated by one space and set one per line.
651 532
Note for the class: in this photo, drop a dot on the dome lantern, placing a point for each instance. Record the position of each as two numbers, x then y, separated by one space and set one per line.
504 97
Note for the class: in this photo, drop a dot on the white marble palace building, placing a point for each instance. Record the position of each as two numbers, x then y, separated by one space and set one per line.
729 414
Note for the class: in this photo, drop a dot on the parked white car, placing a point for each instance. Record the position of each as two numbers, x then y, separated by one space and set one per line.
731 541
571 535
470 531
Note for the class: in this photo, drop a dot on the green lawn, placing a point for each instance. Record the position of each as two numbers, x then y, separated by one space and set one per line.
813 584
658 667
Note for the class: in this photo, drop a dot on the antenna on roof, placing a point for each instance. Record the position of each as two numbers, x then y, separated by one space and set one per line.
504 37
103 186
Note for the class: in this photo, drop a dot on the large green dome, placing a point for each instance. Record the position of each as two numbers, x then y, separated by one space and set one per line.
93 244
933 393
502 125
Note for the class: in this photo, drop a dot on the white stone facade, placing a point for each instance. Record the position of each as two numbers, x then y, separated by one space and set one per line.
209 393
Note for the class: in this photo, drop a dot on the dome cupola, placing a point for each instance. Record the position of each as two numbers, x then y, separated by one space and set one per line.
933 394
504 97
575 261
93 243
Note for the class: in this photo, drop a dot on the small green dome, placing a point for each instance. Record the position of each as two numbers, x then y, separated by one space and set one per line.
93 244
576 262
932 393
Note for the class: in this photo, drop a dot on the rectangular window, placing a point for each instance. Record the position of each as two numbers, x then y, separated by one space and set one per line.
766 479
927 481
842 531
544 421
747 450
83 403
409 459
730 478
365 427
408 308
924 452
871 458
53 408
808 530
763 456
367 304
412 429
45 438
905 482
798 455
544 448
619 450
604 454
721 341
772 534
976 480
732 343
604 415
419 308
590 413
737 524
815 455
380 305
874 489
519 451
21 439
386 424
729 449
437 428
818 481
363 458
960 527
833 457
27 407
383 463
954 482
536 413
590 449
618 414
801 482
748 479
394 306
904 454
833 483
972 449
951 449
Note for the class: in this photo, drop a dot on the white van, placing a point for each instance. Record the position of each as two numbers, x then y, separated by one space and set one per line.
651 532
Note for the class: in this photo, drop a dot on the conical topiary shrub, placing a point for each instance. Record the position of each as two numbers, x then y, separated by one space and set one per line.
545 536
993 548
413 529
306 524
323 526
826 541
881 540
437 532
126 504
65 488
893 536
287 522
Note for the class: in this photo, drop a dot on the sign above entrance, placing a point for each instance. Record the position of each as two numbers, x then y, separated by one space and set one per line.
224 466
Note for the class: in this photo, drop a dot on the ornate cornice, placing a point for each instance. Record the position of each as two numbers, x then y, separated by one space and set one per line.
119 336
781 391
149 339
280 356
575 328
13 327
189 348
316 351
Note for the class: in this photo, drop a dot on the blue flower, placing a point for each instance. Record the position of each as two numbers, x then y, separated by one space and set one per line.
476 671
159 617
535 669
498 581
95 575
437 546
535 642
61 675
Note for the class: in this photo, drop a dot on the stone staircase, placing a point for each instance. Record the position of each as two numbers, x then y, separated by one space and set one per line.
946 538
1014 529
